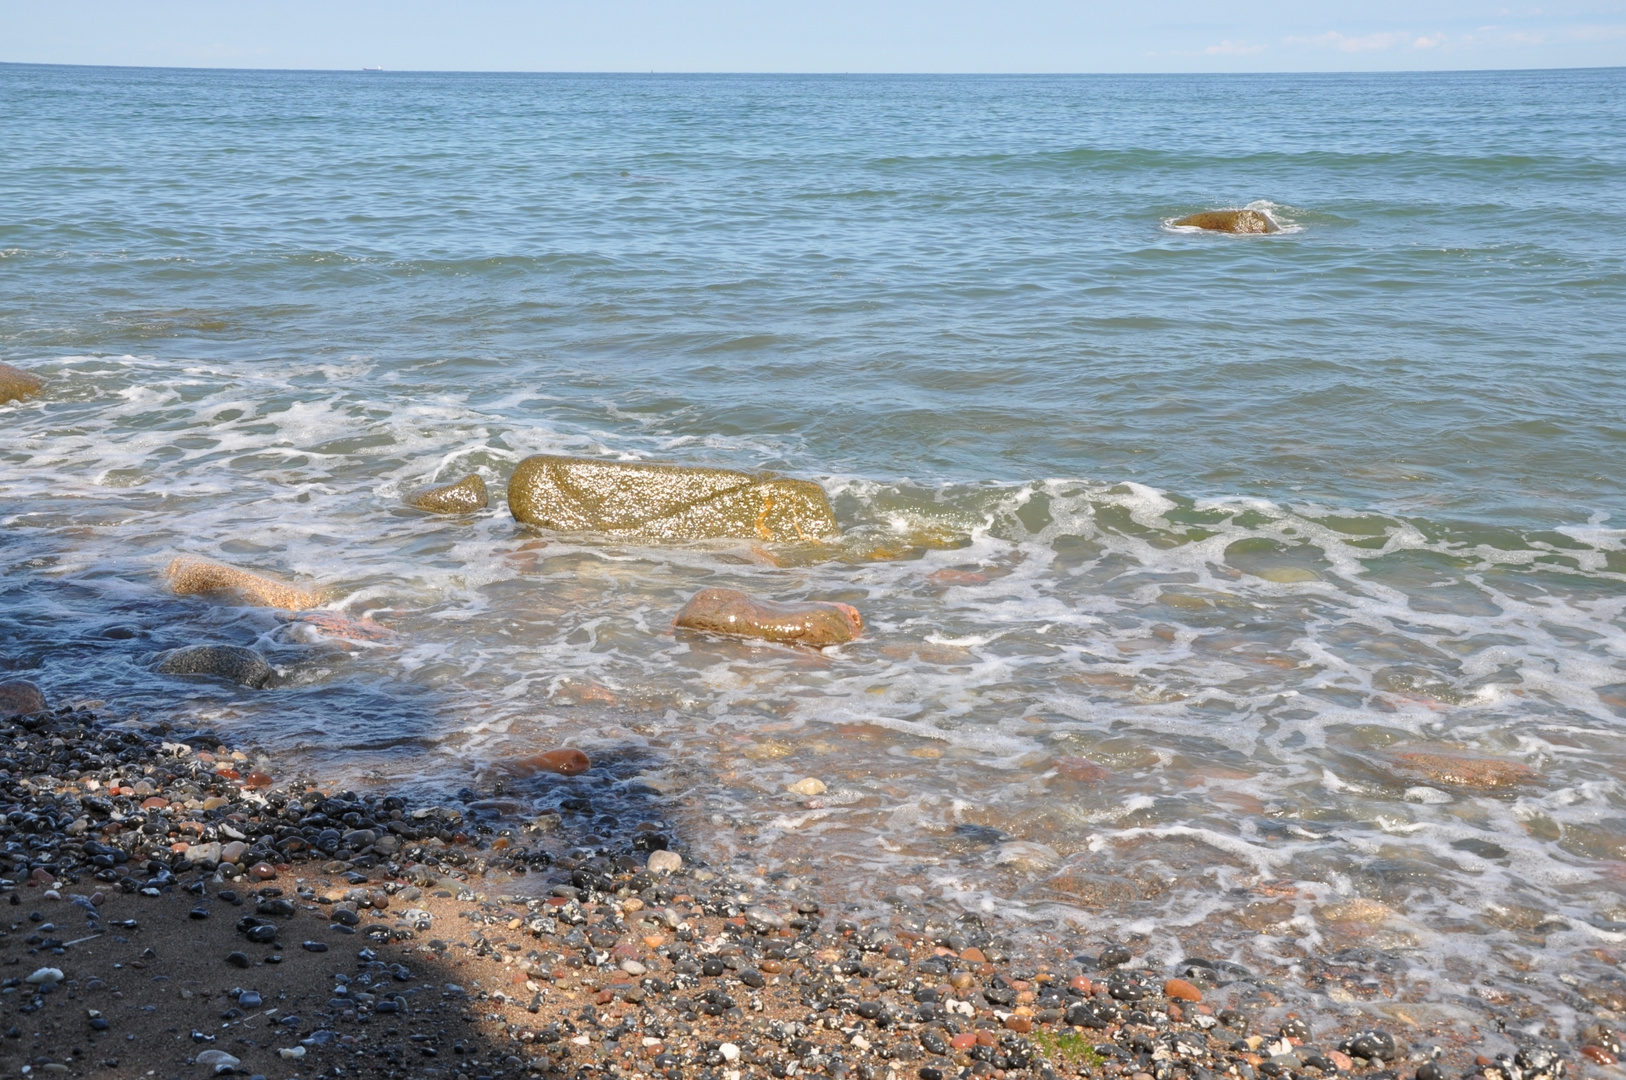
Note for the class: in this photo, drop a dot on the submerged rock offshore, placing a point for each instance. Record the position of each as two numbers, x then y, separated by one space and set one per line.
1230 221
17 384
666 502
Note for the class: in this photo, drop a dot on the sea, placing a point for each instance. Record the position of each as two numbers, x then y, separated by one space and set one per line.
1252 597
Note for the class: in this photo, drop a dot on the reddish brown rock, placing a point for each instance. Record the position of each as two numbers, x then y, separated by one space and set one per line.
729 611
1083 770
1180 990
20 698
565 762
1459 768
1230 221
17 384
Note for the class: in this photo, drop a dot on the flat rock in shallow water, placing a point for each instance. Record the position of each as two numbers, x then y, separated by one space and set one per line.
20 697
17 384
729 611
464 497
1459 768
1230 221
190 576
666 502
232 662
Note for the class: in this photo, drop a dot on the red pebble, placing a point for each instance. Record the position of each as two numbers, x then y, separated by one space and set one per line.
1180 990
1598 1054
565 762
964 1041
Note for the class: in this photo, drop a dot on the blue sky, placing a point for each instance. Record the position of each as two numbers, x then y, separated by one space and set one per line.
819 35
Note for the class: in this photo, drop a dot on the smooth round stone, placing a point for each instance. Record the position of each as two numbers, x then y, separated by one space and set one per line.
633 967
248 999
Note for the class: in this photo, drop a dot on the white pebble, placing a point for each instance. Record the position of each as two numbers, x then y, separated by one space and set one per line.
664 862
49 976
730 1052
292 1053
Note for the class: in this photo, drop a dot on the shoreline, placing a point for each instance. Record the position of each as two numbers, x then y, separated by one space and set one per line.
403 943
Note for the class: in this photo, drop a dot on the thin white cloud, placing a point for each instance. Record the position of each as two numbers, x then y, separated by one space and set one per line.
1380 42
1234 48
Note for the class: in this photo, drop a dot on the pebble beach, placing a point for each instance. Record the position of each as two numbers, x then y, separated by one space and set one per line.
176 910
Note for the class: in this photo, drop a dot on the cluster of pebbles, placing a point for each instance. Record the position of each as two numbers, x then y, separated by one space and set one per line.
235 925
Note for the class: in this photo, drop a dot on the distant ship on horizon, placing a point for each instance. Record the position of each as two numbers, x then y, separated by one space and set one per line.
380 68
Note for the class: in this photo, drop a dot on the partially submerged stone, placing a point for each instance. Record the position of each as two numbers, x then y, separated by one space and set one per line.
1230 221
1459 768
464 497
565 762
729 611
19 698
666 502
233 662
17 384
190 576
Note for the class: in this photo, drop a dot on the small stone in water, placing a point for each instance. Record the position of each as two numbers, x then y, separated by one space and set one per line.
808 786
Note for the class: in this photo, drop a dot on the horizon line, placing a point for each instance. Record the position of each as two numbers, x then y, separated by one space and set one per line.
379 70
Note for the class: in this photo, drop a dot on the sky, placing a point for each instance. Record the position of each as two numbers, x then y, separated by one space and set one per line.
819 35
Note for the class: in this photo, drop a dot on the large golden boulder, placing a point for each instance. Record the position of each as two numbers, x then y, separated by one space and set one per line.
16 384
666 502
464 497
729 611
1231 221
189 576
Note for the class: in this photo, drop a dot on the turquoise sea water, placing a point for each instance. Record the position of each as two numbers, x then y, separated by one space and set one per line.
1239 519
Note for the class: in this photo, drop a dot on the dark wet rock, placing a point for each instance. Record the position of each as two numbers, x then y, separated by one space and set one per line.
729 611
191 576
238 960
1230 221
667 502
1373 1045
233 662
18 697
1113 956
17 384
463 497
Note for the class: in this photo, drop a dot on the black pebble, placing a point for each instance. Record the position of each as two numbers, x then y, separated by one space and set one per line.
314 946
199 913
1113 956
713 968
238 959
